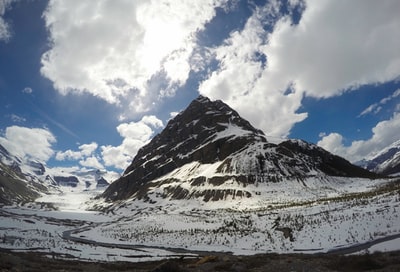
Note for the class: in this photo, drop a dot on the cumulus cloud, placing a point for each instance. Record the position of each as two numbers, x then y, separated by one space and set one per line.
323 56
34 143
152 121
135 135
85 150
383 134
117 49
5 32
244 83
86 156
265 76
91 162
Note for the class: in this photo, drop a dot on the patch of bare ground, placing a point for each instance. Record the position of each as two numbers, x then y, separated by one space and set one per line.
18 261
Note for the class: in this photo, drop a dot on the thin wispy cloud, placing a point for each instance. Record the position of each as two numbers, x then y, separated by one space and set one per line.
5 29
27 90
53 121
17 119
377 107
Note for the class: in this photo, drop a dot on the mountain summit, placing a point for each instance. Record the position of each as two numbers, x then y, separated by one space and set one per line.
209 152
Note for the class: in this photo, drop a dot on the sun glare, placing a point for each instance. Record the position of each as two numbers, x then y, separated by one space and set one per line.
161 39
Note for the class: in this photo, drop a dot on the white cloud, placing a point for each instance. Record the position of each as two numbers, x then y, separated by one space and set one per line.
116 156
35 143
333 142
68 155
337 45
5 32
86 156
91 162
116 49
88 149
243 82
85 150
135 130
152 121
384 134
135 134
324 55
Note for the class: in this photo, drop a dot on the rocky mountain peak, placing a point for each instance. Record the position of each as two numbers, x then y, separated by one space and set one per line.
209 152
206 131
205 115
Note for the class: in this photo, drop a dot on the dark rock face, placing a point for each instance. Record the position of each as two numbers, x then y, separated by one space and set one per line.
15 186
327 162
101 182
212 133
12 188
191 136
71 181
39 167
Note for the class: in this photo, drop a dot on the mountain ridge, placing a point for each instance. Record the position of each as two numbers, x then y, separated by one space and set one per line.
24 180
209 152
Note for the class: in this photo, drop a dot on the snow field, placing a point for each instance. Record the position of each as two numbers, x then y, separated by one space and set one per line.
321 217
317 227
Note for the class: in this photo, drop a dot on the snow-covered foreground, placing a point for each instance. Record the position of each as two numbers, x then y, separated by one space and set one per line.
34 228
138 231
313 226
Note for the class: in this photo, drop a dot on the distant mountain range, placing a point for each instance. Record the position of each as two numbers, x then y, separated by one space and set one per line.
23 180
209 152
386 162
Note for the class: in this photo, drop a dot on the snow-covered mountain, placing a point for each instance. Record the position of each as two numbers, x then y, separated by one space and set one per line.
23 180
209 152
76 177
386 162
18 180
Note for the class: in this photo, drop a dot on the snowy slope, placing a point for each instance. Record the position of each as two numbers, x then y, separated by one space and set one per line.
320 219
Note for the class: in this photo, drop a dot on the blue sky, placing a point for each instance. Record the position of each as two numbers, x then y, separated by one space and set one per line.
86 83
